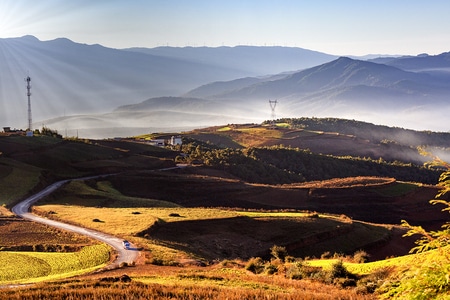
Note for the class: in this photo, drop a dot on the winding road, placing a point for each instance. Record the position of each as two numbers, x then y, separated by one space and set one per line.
22 209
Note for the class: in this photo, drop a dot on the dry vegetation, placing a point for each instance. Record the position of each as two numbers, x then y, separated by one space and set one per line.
19 234
193 252
350 182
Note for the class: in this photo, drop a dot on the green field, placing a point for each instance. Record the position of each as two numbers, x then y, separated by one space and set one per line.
14 173
26 267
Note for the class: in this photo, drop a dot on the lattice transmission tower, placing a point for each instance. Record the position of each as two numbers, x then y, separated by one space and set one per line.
273 105
28 80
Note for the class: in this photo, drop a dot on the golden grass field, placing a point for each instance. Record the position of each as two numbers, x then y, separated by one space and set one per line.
189 250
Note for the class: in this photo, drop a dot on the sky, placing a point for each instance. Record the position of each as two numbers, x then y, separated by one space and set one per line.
344 27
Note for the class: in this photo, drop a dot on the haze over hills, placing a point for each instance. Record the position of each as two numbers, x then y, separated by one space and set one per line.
94 91
351 89
258 60
423 62
70 78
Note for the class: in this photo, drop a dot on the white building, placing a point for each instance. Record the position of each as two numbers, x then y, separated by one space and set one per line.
175 140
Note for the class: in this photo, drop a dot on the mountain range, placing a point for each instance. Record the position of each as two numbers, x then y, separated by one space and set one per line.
102 92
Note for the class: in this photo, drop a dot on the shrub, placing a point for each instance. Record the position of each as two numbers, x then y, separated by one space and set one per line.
344 282
279 252
360 257
369 283
338 270
299 270
270 269
161 262
289 259
255 265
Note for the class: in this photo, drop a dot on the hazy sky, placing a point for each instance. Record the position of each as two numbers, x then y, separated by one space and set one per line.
340 27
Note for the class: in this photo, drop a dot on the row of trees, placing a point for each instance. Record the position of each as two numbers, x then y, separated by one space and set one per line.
278 164
375 133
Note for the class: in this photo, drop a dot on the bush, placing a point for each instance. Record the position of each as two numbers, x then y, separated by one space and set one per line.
270 269
279 252
338 270
360 257
255 265
369 283
299 270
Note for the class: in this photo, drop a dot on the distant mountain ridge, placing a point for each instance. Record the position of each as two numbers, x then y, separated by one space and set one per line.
93 88
73 78
417 63
338 74
258 60
342 88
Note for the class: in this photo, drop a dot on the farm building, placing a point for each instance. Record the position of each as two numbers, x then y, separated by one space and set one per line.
175 140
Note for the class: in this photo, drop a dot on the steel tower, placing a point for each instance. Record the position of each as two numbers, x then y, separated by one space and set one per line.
28 80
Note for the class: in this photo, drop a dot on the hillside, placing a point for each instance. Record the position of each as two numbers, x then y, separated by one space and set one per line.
338 137
38 161
258 60
424 62
197 223
346 87
95 92
70 78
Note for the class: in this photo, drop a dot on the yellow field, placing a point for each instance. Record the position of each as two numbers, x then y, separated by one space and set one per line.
401 262
129 221
38 266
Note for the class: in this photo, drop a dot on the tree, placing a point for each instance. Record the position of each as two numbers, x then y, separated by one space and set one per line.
429 278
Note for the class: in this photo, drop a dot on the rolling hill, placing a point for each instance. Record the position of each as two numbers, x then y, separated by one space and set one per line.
345 87
70 78
202 222
422 62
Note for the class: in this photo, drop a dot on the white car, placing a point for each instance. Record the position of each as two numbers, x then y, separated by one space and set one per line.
126 244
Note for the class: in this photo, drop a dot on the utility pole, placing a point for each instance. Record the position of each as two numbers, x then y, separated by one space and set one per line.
30 129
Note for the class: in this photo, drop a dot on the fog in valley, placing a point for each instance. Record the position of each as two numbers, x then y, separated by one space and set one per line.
97 92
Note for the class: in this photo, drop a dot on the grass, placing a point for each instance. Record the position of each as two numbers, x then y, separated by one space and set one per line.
222 129
255 214
28 267
283 125
128 221
182 226
13 172
111 288
401 262
397 189
101 194
262 132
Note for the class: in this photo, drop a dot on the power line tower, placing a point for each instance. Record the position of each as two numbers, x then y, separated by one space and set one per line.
273 105
30 129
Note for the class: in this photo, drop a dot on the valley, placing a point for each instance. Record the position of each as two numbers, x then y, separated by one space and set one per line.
236 199
98 92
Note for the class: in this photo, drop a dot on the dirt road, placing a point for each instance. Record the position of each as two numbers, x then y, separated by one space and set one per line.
128 255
